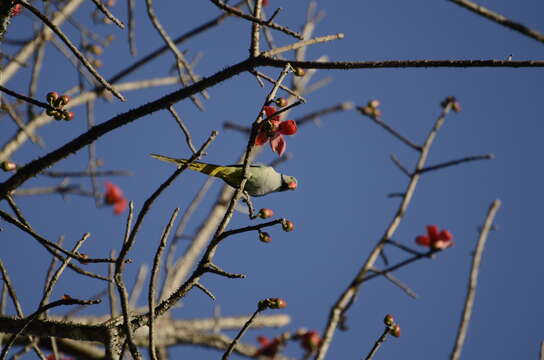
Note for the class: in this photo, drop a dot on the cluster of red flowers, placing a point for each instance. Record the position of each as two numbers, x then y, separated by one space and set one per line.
273 130
309 340
435 239
114 196
269 347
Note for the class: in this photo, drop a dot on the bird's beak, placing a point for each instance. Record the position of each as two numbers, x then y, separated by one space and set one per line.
292 185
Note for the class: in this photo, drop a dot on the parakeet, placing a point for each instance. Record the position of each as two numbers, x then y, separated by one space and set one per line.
262 179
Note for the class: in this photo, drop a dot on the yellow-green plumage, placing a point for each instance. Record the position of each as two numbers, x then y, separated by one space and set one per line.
262 179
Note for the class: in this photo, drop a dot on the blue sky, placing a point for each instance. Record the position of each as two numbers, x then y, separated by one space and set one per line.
341 208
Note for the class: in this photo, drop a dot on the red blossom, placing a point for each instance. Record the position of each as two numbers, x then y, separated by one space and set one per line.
114 196
16 9
273 130
52 357
268 347
265 2
309 340
435 239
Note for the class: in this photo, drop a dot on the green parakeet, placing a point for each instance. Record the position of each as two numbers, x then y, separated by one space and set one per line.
262 179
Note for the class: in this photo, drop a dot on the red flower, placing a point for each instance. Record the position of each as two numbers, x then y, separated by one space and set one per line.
435 239
273 130
268 348
114 196
52 357
16 9
265 2
309 340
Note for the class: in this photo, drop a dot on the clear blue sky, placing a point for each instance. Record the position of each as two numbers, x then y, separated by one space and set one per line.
341 208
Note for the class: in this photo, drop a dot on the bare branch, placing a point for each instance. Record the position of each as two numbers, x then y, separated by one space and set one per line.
473 280
498 18
239 13
73 48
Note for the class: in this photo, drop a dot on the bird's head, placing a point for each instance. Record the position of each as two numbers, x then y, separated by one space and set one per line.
288 183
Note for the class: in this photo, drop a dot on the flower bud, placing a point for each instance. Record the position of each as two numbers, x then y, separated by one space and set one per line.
8 165
51 97
395 331
272 303
265 213
63 100
389 320
366 110
264 237
287 225
281 102
374 103
299 71
68 115
288 127
96 49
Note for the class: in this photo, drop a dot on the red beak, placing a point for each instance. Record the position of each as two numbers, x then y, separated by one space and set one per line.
292 185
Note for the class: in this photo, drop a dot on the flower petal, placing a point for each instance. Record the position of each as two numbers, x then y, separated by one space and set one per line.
445 235
432 231
423 240
277 143
261 138
288 127
120 206
113 193
269 111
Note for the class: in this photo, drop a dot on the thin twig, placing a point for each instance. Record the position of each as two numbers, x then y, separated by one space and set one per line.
180 59
131 27
111 288
498 18
186 132
108 13
239 13
397 282
11 290
241 333
181 227
122 289
49 245
26 98
138 286
283 87
51 283
403 247
392 131
205 290
378 343
344 106
303 43
87 173
402 168
457 162
473 280
255 47
153 283
73 48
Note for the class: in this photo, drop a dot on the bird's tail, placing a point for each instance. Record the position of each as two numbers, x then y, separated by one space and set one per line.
208 169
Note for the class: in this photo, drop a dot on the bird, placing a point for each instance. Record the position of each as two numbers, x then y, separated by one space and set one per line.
262 179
